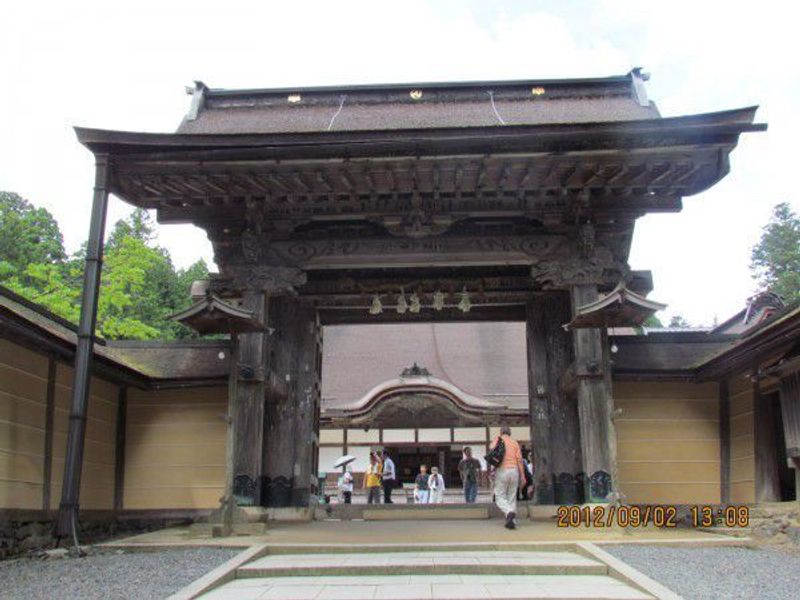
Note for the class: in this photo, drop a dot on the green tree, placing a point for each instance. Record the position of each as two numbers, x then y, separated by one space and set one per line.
678 321
27 234
653 322
139 287
775 259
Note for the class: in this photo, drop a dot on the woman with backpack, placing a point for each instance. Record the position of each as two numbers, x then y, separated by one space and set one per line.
505 456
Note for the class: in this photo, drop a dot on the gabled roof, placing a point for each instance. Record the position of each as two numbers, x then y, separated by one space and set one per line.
213 315
619 308
419 105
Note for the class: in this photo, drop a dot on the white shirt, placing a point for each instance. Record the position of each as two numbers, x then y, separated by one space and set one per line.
388 468
435 482
346 482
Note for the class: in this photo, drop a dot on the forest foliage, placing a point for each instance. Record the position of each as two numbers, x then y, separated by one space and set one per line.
140 287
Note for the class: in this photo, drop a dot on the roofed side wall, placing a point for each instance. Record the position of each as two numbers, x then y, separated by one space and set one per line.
23 400
742 422
668 442
175 448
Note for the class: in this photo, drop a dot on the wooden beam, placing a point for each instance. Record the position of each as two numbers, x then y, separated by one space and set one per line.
724 442
119 448
50 403
362 316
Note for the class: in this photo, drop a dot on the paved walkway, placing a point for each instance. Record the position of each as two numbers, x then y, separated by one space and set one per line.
411 563
428 587
363 533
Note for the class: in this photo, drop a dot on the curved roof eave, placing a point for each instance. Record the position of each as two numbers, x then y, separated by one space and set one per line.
734 122
429 384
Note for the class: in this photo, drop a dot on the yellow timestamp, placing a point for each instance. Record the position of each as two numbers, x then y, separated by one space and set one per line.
617 516
655 515
727 516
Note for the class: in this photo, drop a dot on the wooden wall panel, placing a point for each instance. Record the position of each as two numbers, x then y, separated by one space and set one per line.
23 400
97 475
175 448
742 441
668 442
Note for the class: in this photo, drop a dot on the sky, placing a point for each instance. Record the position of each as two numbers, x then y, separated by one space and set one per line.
124 65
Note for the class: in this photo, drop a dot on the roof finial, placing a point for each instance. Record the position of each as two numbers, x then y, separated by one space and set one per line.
198 94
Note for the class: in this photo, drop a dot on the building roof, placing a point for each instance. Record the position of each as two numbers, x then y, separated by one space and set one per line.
485 360
419 105
143 363
760 308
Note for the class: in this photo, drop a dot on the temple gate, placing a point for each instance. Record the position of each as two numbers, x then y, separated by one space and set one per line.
482 201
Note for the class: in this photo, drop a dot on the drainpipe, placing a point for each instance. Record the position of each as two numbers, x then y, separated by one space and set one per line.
70 490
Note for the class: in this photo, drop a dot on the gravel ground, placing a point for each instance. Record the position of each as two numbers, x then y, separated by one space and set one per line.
699 573
108 575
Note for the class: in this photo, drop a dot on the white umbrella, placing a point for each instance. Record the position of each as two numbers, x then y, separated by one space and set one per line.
344 460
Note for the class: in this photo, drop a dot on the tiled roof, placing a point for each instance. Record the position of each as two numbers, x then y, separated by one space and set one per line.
419 106
487 360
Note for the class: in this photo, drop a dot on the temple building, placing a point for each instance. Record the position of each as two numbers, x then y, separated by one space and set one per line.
405 267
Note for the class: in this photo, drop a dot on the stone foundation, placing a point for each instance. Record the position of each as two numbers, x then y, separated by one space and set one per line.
26 532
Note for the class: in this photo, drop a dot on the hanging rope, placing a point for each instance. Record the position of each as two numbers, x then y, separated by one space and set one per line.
341 105
494 108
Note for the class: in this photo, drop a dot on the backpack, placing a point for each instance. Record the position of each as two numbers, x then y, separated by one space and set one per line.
496 454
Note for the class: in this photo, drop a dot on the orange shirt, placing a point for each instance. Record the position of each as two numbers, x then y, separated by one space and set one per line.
512 459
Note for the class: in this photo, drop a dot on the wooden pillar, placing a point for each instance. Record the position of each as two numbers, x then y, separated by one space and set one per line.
595 404
306 399
555 438
246 401
293 404
724 442
790 411
280 414
767 475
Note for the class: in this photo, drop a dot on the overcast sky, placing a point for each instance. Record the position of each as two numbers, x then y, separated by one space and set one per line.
98 64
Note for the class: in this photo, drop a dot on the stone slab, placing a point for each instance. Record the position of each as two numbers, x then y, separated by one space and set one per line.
422 513
490 562
433 587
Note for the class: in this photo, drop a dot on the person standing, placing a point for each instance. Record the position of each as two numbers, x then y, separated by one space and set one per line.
346 485
524 485
389 477
435 487
469 469
509 475
372 479
421 486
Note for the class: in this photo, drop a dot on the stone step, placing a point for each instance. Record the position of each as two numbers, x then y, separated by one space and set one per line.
413 512
429 587
423 563
441 512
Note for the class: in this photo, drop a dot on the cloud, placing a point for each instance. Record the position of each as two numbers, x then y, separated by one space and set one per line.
96 64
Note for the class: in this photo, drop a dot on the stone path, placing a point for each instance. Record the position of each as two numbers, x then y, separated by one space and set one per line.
428 587
424 575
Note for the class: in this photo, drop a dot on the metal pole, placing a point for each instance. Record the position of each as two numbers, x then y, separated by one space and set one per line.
70 490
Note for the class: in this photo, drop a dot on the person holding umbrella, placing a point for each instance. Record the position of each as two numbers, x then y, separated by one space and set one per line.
345 483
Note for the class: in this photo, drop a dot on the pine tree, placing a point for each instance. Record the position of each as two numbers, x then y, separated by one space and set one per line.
775 260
